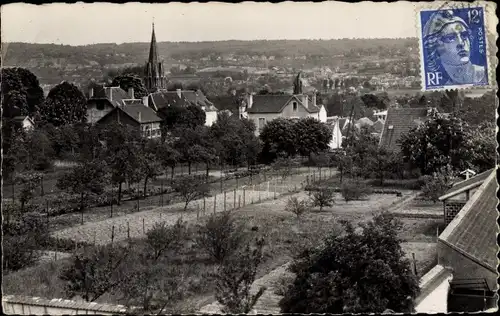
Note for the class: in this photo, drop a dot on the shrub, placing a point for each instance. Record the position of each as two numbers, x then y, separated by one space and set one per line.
322 198
235 277
220 237
162 237
296 206
354 190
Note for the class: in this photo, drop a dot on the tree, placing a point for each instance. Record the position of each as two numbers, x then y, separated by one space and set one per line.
94 272
482 140
354 190
190 189
220 236
65 104
235 277
323 197
311 136
85 180
344 163
381 163
436 143
279 136
374 101
168 157
284 166
162 237
21 92
28 180
149 167
129 80
437 184
182 117
296 206
361 271
200 149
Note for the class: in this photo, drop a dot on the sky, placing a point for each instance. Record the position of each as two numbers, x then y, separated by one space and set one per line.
81 24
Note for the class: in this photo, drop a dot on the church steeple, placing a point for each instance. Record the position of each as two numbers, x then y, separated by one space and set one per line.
154 77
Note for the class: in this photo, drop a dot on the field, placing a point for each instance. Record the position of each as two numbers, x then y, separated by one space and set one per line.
283 232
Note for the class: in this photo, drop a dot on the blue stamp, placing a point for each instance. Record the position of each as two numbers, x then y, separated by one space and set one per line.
453 48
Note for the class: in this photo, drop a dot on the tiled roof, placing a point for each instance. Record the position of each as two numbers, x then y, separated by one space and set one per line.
114 95
402 121
226 102
274 103
148 115
163 99
473 231
269 103
462 186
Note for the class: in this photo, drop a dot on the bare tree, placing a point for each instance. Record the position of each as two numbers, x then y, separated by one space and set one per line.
323 197
296 206
190 188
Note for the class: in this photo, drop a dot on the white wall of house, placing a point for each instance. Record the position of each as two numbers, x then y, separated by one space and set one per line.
27 125
322 114
211 117
336 141
151 130
260 119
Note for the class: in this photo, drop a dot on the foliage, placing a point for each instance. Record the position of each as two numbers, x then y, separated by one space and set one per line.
23 232
278 136
354 190
220 236
284 166
382 163
354 272
476 111
167 156
343 163
323 197
28 180
379 102
94 272
190 188
436 143
437 184
296 206
88 178
179 116
21 92
149 166
235 277
483 142
162 237
129 80
311 136
65 104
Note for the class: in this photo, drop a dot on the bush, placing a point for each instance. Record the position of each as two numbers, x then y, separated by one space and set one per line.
323 197
220 237
354 190
162 237
296 206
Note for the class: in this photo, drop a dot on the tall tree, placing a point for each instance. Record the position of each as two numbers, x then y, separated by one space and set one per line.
311 136
65 104
21 92
279 136
129 80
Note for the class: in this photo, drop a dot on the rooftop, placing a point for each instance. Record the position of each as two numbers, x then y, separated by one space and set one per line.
465 185
400 121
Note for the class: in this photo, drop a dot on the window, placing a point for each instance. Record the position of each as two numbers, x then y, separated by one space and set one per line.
262 122
294 104
99 106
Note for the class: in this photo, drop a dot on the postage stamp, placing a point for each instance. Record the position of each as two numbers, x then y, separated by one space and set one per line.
453 47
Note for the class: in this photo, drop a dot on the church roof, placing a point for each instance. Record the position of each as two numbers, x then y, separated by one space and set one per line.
153 50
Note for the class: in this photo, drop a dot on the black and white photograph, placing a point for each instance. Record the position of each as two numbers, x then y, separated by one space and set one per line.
249 158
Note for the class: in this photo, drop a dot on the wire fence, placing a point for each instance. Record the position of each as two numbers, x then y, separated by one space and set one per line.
136 225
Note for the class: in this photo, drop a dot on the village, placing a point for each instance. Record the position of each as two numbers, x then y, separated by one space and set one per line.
327 190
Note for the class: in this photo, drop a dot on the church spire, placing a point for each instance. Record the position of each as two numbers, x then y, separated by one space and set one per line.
154 78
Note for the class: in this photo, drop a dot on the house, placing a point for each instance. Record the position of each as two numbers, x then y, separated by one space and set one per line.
104 99
378 126
23 121
162 98
135 115
231 103
334 126
457 196
264 108
400 121
465 277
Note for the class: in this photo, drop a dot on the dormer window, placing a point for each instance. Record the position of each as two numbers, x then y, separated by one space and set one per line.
294 104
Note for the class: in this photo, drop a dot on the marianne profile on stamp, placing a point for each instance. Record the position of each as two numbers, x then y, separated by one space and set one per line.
454 48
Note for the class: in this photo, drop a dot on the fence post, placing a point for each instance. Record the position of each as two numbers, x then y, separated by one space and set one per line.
239 201
215 202
47 214
143 226
224 201
112 234
414 264
244 197
307 178
259 192
234 199
204 206
253 191
94 237
161 192
128 231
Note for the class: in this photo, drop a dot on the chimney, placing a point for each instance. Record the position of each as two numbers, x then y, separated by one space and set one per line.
249 101
179 92
131 93
145 101
91 93
305 100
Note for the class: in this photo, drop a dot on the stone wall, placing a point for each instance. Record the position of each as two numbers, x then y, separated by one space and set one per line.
26 305
451 209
